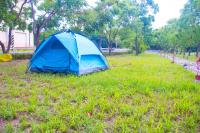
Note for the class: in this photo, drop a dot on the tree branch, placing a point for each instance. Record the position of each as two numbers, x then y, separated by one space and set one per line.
2 47
20 11
45 21
12 6
32 9
33 15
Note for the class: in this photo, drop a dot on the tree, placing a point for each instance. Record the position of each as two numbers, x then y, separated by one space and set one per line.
89 24
184 33
42 13
145 20
114 19
110 16
119 15
127 37
190 21
13 15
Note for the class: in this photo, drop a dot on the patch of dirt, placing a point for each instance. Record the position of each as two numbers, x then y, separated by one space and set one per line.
27 115
73 101
97 108
26 80
110 123
198 127
127 99
85 99
90 114
42 84
15 122
13 63
146 116
2 124
3 84
27 130
179 118
71 131
24 113
40 97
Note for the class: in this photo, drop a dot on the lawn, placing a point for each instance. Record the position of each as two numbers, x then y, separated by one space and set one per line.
146 93
192 57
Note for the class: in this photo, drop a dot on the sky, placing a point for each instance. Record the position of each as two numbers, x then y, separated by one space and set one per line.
168 9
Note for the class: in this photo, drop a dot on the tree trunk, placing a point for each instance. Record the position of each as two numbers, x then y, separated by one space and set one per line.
177 51
2 47
36 34
39 25
109 48
165 53
36 39
136 46
100 43
9 40
110 51
197 50
180 51
174 54
184 53
189 53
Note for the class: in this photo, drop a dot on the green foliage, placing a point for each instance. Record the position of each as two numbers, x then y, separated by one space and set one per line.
127 37
11 15
21 56
192 57
143 46
110 19
7 113
181 34
116 20
9 128
137 94
48 15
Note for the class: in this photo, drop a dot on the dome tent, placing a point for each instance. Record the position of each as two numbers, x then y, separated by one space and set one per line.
67 52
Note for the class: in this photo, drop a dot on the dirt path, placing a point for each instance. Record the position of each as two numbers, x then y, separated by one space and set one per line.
189 65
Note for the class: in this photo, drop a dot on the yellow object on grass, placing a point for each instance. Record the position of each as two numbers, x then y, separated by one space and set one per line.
5 57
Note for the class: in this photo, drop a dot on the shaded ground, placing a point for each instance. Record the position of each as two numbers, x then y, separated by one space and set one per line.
138 94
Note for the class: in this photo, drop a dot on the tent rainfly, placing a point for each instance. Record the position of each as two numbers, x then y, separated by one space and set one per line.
67 52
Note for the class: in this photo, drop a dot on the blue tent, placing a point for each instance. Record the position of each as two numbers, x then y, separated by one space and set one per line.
67 52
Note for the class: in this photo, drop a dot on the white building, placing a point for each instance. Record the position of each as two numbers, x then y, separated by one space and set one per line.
22 39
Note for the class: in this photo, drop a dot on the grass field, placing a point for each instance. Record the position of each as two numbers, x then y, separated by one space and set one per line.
137 94
192 57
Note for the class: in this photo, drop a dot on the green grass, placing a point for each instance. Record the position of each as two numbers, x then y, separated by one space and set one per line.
192 57
20 50
137 94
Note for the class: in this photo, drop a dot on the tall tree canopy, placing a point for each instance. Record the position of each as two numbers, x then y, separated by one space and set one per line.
114 19
182 34
48 14
126 23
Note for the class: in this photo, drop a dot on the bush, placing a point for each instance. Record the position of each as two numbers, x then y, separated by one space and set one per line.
22 56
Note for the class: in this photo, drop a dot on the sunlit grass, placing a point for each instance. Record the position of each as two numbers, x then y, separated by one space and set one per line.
192 57
137 94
